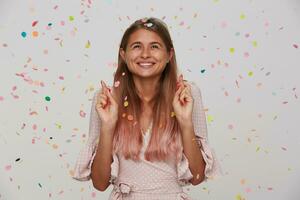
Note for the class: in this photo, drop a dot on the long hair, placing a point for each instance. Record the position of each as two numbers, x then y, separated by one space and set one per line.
165 137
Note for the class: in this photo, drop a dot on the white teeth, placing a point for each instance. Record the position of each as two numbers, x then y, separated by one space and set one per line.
146 65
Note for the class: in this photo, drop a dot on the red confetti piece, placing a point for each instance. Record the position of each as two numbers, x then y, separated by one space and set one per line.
34 23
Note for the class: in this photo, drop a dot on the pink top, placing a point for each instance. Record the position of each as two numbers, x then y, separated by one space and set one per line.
144 179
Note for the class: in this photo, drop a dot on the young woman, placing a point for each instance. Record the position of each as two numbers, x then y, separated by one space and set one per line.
148 134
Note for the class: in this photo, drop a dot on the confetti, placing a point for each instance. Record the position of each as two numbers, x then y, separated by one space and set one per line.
130 117
24 34
47 98
295 46
88 44
35 33
202 71
242 16
173 114
34 23
231 50
82 114
71 18
8 167
117 83
125 103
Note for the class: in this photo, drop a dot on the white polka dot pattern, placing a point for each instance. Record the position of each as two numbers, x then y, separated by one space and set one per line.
149 180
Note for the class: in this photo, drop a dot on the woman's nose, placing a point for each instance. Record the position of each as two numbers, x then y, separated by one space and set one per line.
145 53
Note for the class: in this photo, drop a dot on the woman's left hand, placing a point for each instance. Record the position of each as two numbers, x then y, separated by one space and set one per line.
183 102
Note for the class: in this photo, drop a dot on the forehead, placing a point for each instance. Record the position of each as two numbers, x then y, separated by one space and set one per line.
144 36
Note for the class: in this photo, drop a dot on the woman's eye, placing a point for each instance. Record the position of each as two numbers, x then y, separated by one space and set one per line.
136 46
155 46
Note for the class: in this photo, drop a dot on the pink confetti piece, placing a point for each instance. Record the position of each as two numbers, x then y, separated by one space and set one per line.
61 77
1 98
7 167
32 141
82 114
34 127
117 83
230 126
93 194
55 7
14 88
295 46
181 23
270 189
246 54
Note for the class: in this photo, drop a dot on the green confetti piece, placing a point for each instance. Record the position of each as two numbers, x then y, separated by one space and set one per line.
231 50
47 98
71 18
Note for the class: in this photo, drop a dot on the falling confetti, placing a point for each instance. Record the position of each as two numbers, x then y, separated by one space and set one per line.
231 50
34 23
47 98
24 34
125 103
71 18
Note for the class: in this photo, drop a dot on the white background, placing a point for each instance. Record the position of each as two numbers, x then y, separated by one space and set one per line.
253 120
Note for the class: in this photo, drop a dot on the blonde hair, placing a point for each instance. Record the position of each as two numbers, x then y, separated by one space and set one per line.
166 139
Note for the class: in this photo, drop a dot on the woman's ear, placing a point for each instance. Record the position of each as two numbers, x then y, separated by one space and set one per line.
122 54
171 54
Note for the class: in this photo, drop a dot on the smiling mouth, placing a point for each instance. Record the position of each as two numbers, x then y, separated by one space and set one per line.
146 65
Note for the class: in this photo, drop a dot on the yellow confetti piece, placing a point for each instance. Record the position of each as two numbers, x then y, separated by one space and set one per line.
88 44
242 16
231 50
239 197
210 118
58 126
257 149
125 103
173 114
254 43
71 18
250 73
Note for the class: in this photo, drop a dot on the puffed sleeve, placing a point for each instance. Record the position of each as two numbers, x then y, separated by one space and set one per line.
82 169
212 167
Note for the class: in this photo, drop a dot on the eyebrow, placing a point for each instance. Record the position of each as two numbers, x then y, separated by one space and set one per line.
141 43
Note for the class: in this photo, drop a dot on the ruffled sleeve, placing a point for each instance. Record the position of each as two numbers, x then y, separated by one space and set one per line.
212 167
82 169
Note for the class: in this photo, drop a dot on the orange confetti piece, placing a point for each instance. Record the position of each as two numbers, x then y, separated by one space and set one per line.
130 117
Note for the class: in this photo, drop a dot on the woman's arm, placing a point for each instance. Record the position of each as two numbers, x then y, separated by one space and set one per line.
193 153
101 167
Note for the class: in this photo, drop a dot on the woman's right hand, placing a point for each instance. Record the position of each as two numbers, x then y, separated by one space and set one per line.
107 107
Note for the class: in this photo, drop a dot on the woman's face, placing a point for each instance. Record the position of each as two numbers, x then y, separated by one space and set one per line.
145 55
